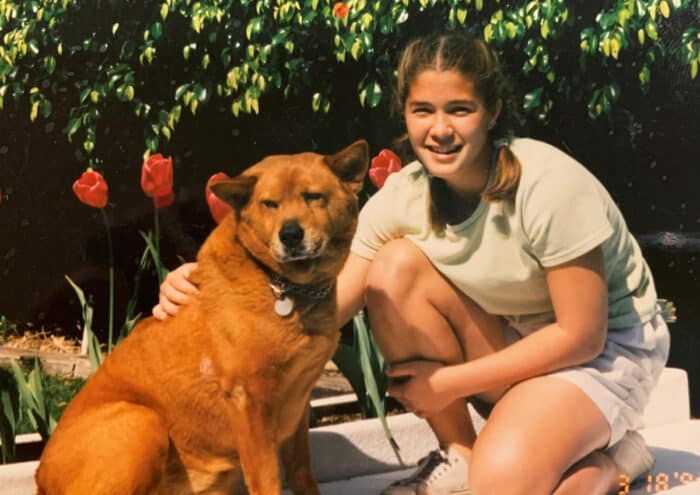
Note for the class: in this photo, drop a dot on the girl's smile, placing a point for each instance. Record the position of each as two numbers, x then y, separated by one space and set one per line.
448 126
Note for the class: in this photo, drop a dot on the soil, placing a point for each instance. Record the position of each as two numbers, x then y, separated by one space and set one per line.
42 340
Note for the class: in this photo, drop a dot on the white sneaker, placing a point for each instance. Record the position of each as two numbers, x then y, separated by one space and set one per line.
439 473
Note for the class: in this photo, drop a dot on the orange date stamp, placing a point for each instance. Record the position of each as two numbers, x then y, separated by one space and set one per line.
658 482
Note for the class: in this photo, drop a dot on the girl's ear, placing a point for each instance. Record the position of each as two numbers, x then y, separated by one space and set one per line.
236 191
350 164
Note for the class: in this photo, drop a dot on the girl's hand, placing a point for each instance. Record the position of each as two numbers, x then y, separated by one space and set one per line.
175 291
421 386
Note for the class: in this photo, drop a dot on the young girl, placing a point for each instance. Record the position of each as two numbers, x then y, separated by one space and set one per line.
498 270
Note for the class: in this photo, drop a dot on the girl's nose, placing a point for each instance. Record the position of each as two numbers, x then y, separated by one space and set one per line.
442 127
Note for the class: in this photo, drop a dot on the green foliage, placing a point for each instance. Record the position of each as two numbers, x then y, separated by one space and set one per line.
58 392
131 318
360 361
362 364
9 415
94 351
80 57
153 250
7 328
41 401
34 400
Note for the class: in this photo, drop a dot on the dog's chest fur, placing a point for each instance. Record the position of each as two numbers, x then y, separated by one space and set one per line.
254 354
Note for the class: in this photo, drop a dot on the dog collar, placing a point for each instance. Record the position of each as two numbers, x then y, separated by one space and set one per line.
284 290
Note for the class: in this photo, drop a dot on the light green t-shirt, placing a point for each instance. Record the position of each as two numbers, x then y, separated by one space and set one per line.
497 255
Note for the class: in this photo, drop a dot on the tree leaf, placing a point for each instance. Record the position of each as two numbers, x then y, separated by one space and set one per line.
73 126
157 30
533 99
201 93
33 47
50 64
462 15
45 108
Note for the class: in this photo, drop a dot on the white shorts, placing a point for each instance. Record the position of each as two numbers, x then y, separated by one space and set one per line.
621 378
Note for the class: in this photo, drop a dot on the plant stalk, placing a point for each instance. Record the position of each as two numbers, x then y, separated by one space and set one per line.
110 255
156 224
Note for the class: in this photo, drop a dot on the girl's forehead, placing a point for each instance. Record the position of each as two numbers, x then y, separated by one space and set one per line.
435 84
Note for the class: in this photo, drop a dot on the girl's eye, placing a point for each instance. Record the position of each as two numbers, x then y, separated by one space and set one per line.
462 111
268 203
421 111
312 196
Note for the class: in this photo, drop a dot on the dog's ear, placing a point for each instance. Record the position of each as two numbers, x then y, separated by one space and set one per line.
236 191
350 164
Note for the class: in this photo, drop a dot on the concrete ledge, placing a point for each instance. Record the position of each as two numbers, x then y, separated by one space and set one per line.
53 363
669 402
18 479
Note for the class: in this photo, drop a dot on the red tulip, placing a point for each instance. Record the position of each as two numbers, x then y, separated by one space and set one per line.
383 165
340 10
91 189
165 200
157 180
217 207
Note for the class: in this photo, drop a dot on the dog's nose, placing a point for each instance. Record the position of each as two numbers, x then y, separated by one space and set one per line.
291 234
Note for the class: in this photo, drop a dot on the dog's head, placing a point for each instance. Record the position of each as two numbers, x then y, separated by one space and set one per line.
297 213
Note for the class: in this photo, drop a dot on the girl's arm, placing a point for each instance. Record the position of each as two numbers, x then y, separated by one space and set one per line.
176 289
578 290
351 287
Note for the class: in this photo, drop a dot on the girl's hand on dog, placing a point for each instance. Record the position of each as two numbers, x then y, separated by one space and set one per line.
175 291
421 386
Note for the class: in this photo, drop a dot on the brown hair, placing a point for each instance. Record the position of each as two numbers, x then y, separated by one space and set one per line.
474 59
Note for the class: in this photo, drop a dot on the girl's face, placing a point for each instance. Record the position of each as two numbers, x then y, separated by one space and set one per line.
448 127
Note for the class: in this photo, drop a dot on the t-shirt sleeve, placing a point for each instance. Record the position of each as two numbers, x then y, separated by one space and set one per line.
380 219
564 214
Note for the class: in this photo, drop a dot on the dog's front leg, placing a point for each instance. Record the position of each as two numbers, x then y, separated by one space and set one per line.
297 460
257 446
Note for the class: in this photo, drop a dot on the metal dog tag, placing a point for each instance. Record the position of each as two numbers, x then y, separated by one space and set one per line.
284 306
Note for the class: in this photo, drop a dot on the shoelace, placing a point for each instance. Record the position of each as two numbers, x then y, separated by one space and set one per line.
428 464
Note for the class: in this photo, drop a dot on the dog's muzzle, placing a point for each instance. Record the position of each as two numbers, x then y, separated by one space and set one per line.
291 237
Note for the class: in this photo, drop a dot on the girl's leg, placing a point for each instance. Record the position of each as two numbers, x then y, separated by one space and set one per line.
544 430
416 313
542 437
595 473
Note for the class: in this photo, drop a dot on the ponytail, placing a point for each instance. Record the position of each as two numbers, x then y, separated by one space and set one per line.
505 184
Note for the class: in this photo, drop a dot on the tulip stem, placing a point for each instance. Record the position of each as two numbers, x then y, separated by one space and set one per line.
156 223
110 254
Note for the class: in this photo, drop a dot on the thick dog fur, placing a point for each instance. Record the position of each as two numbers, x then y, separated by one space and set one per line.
193 404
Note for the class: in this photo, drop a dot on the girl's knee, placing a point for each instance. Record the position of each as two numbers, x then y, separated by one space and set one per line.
395 266
509 467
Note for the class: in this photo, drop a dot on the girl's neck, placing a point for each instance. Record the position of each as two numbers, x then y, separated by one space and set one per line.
468 188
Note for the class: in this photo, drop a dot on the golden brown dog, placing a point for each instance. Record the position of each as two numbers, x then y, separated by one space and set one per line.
189 404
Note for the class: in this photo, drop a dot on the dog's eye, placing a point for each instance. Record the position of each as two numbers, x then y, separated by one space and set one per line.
268 203
312 196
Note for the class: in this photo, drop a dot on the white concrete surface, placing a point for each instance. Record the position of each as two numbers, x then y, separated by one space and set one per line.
356 459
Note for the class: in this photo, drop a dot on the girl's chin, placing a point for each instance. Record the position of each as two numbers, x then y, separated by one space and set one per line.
442 164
